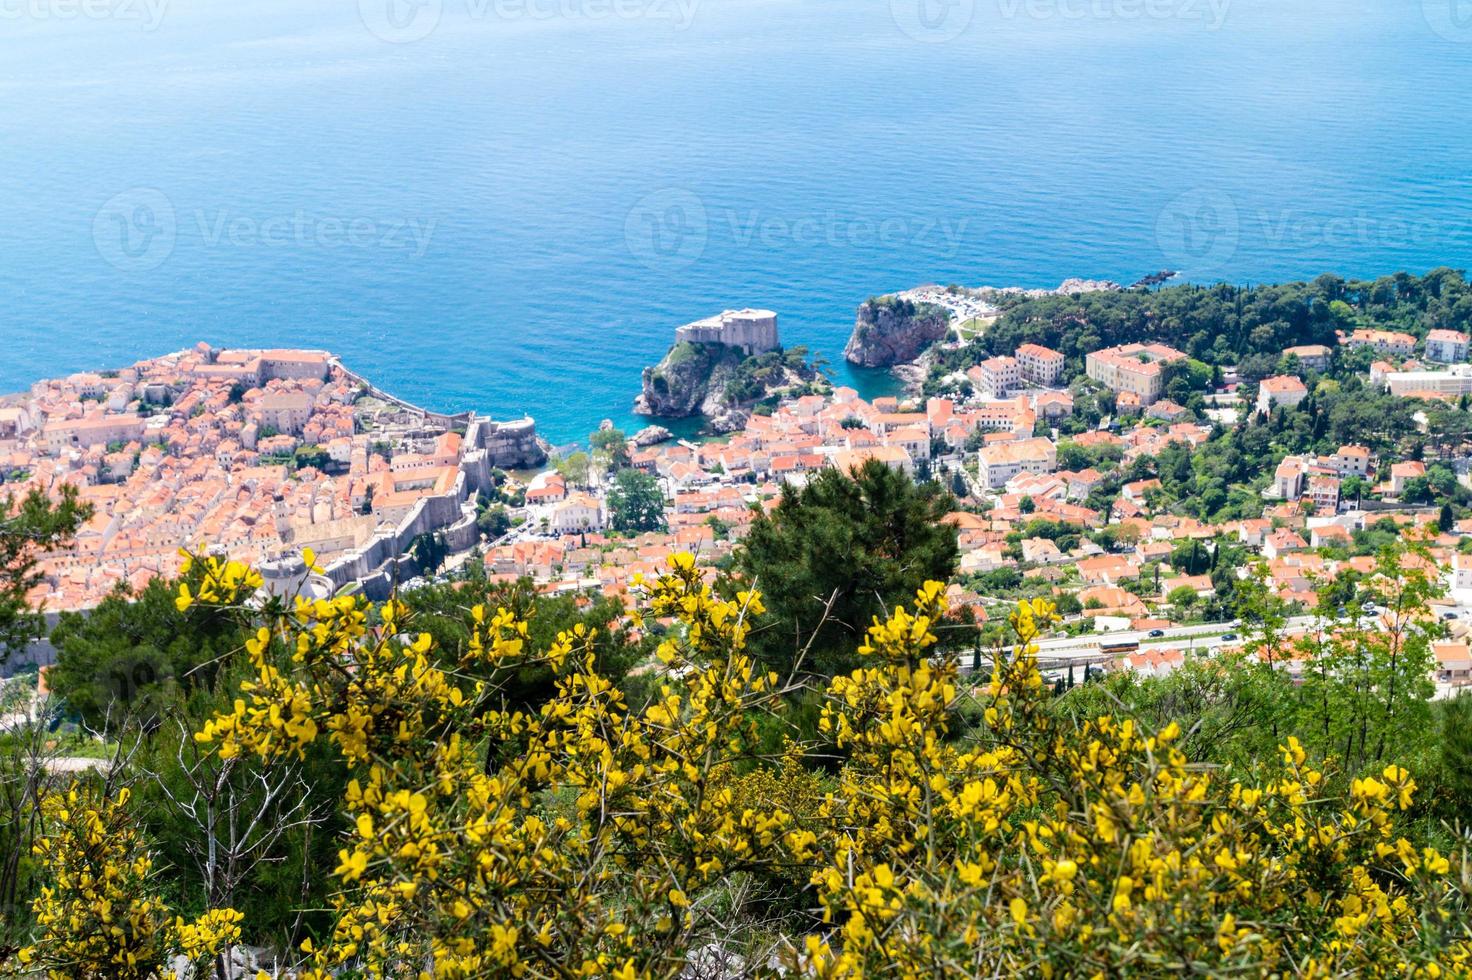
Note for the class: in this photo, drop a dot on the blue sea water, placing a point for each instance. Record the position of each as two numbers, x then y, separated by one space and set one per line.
510 204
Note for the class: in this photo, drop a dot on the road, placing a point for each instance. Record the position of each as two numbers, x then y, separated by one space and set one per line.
1198 637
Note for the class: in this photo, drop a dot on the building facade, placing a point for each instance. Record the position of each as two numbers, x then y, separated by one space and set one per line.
1134 368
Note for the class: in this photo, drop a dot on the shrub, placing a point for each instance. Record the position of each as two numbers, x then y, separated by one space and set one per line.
586 838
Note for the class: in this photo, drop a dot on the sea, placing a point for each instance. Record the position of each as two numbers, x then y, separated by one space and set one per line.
509 205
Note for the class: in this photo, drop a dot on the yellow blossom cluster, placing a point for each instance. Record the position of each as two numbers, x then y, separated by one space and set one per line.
220 581
1100 850
97 916
458 859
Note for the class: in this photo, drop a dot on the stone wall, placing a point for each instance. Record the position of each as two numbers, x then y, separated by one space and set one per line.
384 559
510 445
754 331
38 653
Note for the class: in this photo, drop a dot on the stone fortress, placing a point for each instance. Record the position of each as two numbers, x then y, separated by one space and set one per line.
381 563
753 331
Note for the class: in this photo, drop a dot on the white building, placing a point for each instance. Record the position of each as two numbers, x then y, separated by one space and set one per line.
578 513
1288 478
1039 364
996 376
1284 389
1447 346
1001 462
1451 383
1352 461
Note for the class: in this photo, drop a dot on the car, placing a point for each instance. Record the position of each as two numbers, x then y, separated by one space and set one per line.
1229 637
1368 607
1156 633
1448 615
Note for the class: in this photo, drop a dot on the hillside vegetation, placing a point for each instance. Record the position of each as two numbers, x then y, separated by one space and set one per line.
473 783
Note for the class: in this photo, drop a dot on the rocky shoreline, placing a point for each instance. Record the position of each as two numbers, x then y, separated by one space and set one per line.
898 331
715 372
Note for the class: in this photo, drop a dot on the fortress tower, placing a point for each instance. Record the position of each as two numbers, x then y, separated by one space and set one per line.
754 331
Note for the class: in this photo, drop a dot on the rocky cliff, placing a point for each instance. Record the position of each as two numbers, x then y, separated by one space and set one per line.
720 383
686 379
891 330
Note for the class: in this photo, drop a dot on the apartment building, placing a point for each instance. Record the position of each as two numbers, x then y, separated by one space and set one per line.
95 431
1311 357
1288 478
1001 462
1352 461
1454 382
1446 346
285 411
1382 341
1134 368
996 376
1284 389
1039 364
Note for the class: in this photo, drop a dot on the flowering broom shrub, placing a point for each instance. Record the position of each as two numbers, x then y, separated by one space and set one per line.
589 838
97 917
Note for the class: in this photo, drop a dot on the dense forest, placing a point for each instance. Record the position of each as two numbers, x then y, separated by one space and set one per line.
1222 324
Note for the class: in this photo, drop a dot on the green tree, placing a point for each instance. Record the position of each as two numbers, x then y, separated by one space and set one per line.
429 551
1456 758
127 659
313 456
443 610
1191 557
611 447
635 502
838 552
1182 597
574 468
493 521
29 527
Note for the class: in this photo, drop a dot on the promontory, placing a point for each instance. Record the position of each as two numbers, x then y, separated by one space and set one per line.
723 367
